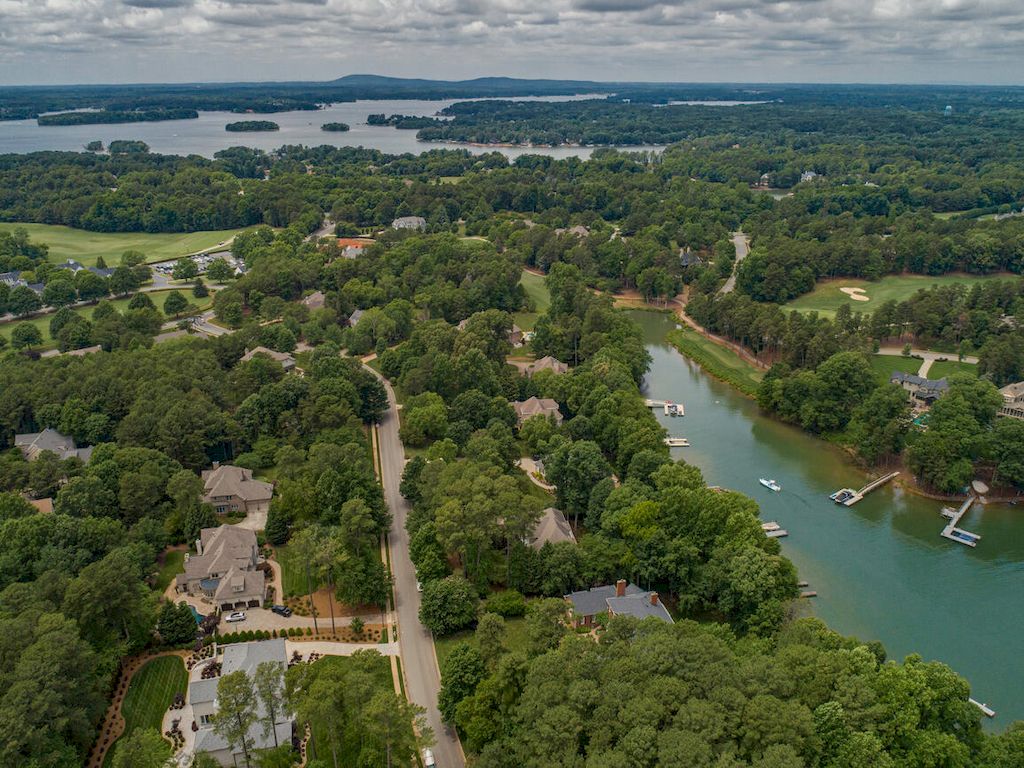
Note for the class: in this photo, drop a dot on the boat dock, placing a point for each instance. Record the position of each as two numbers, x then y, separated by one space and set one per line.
774 531
952 532
848 497
669 408
677 442
986 710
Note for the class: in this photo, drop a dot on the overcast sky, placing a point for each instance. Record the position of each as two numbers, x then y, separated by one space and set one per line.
112 41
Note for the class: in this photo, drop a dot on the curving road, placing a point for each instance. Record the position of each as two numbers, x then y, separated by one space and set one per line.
742 243
422 678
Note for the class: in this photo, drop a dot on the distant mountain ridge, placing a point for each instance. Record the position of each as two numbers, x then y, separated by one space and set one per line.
489 85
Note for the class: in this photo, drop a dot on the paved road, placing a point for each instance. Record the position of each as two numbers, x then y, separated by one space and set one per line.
423 681
925 354
742 243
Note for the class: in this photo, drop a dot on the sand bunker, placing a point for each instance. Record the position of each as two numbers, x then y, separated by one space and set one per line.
857 294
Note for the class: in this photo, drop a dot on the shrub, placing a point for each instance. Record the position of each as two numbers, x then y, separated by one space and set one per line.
508 604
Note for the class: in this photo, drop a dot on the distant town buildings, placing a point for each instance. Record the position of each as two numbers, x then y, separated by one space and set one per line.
1013 400
32 444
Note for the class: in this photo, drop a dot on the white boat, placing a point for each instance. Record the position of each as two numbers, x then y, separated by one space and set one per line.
770 484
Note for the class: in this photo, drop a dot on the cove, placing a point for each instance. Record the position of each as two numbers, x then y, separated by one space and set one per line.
881 570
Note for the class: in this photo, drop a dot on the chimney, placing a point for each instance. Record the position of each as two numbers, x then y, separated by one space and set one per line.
620 588
654 598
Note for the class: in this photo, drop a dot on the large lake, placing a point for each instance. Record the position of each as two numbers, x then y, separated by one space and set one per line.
881 570
206 135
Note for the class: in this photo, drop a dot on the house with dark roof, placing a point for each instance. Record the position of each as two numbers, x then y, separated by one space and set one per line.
922 391
619 599
224 569
32 444
202 699
12 279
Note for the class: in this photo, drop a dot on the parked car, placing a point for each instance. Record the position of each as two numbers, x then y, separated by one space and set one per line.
419 586
236 616
428 759
281 610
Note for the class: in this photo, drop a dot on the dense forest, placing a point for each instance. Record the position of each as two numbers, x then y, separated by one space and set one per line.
107 116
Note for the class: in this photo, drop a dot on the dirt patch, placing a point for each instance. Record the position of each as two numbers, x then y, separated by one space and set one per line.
322 604
857 294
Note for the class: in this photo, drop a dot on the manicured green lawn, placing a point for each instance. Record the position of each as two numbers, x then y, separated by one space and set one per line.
886 365
85 247
42 322
942 368
538 292
721 362
149 695
516 638
172 566
293 572
826 297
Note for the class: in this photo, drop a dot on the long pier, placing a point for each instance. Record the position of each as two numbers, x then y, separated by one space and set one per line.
954 533
848 497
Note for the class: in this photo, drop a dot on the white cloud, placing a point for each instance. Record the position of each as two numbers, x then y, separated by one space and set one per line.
751 40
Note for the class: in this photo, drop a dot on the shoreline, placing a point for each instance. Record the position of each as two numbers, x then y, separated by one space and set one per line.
905 480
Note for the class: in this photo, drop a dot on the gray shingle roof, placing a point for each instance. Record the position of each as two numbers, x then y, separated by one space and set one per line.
595 600
639 606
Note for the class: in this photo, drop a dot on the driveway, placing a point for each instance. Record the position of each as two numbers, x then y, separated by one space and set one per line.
742 243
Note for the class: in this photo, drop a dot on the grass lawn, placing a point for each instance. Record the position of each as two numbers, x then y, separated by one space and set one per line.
293 572
149 695
826 297
173 565
85 247
515 639
538 293
942 368
886 365
721 362
42 322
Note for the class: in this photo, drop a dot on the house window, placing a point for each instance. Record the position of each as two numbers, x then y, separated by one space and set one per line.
204 719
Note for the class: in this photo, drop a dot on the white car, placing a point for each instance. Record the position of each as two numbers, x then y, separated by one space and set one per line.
419 586
428 759
236 616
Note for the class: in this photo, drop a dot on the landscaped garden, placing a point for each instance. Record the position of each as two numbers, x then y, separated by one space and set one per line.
150 693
